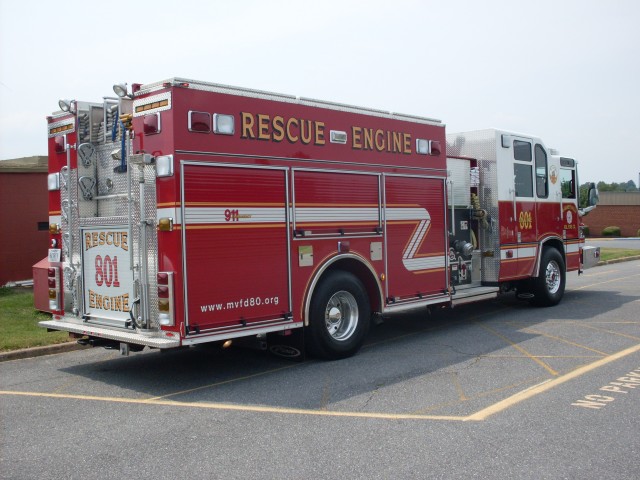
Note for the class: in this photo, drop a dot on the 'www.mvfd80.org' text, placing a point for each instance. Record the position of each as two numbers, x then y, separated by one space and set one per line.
242 303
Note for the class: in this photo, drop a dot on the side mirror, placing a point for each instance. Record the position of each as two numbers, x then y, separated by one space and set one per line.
593 195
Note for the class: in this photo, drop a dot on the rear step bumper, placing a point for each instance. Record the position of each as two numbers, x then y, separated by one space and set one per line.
111 334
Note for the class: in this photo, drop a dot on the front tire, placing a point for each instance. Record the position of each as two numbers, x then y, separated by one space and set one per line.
550 283
339 316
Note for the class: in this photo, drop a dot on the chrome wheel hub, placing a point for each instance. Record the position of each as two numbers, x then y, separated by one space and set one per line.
341 315
553 277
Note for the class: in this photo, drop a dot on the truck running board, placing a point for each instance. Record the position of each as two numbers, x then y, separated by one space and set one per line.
473 295
126 337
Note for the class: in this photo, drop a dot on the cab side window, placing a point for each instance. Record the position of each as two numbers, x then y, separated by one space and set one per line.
542 189
568 183
521 150
522 171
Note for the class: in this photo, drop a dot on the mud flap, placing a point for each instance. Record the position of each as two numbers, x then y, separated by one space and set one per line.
288 344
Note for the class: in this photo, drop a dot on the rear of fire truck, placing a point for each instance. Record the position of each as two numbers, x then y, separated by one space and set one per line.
103 283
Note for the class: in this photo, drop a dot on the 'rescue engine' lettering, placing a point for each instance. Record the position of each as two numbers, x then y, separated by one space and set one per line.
97 239
277 128
118 303
380 140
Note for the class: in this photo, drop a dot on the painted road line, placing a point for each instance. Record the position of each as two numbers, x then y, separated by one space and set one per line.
521 350
478 416
564 340
548 385
602 283
237 408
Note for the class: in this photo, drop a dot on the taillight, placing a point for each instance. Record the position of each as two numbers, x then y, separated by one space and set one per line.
61 144
151 124
165 299
53 282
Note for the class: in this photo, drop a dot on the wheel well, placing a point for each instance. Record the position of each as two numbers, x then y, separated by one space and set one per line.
362 271
555 243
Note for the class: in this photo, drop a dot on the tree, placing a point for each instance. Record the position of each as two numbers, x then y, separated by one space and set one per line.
629 186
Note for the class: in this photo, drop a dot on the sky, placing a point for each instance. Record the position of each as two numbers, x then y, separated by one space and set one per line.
567 71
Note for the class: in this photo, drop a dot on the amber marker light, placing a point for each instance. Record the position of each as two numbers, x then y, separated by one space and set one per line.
165 224
54 228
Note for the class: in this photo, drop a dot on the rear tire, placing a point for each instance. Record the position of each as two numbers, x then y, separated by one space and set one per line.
548 287
339 316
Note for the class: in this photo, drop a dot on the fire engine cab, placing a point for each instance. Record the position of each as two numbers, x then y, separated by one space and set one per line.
184 212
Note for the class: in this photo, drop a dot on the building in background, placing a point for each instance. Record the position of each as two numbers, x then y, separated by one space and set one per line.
616 209
24 217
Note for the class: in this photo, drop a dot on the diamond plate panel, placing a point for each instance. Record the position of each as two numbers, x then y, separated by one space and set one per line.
482 145
95 195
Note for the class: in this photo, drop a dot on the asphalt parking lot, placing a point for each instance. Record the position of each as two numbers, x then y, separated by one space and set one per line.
492 390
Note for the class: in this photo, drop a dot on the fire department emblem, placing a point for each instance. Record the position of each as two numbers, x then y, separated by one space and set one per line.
569 217
553 174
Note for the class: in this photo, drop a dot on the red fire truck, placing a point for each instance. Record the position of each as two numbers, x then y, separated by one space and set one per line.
184 212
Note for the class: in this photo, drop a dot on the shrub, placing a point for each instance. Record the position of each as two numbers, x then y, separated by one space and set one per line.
638 234
611 231
585 230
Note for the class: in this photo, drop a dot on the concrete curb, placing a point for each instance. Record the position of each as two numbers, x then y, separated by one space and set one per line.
40 351
619 260
71 346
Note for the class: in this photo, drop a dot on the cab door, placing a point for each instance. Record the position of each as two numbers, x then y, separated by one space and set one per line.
524 207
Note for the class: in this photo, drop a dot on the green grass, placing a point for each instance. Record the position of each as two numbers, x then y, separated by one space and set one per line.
19 322
615 253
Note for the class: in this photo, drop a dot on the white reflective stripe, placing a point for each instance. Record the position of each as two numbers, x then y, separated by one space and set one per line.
409 213
55 219
518 252
409 259
417 238
220 215
351 214
572 247
425 263
169 213
527 252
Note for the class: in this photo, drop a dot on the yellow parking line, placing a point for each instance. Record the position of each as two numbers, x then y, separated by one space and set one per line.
602 283
478 416
474 397
521 350
456 381
548 385
540 356
633 337
560 339
195 389
240 408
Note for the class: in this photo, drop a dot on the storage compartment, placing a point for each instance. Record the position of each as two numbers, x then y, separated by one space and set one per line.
590 256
